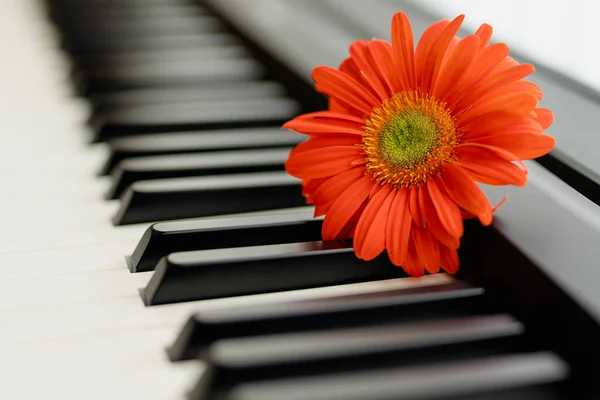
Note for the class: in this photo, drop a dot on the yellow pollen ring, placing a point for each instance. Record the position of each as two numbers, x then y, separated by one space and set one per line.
408 139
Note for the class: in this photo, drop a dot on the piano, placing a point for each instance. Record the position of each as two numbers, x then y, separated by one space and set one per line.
154 247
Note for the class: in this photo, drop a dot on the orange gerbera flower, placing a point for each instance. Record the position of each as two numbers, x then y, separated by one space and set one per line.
394 161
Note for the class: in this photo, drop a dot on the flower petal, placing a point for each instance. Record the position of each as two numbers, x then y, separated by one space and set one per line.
325 141
346 90
428 39
322 162
447 211
345 206
484 32
329 191
433 65
485 63
490 165
511 104
383 55
369 240
461 188
545 117
458 62
415 207
427 249
433 223
361 54
449 259
495 82
397 230
523 145
404 54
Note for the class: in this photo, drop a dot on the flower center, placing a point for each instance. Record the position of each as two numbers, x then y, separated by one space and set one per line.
409 139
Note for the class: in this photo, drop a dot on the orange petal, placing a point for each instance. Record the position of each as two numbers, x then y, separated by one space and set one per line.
485 63
346 90
458 62
345 206
415 207
397 230
340 118
361 55
433 65
513 104
329 191
523 145
427 249
495 82
449 259
369 240
322 162
403 48
447 211
461 188
545 117
434 224
428 39
484 33
324 126
490 165
326 141
349 66
384 58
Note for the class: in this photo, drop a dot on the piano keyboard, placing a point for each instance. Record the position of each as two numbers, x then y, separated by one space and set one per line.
155 248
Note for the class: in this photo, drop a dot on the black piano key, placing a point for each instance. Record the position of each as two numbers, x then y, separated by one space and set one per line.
193 116
416 303
91 34
151 43
168 73
447 380
209 274
99 64
234 362
89 13
194 164
193 142
178 198
163 238
191 93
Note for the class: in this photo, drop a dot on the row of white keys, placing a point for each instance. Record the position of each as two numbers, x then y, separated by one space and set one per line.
52 204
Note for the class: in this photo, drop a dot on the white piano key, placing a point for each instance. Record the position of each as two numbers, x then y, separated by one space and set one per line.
67 320
51 291
127 365
65 260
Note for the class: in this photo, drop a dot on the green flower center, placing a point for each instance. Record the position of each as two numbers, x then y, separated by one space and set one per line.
407 138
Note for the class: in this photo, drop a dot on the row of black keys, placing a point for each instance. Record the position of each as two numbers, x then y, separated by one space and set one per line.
192 95
191 121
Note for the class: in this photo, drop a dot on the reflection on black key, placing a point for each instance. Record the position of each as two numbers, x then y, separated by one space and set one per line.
163 238
170 41
195 164
412 304
209 274
164 199
192 116
170 72
114 30
107 62
193 142
192 93
233 362
446 380
69 15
